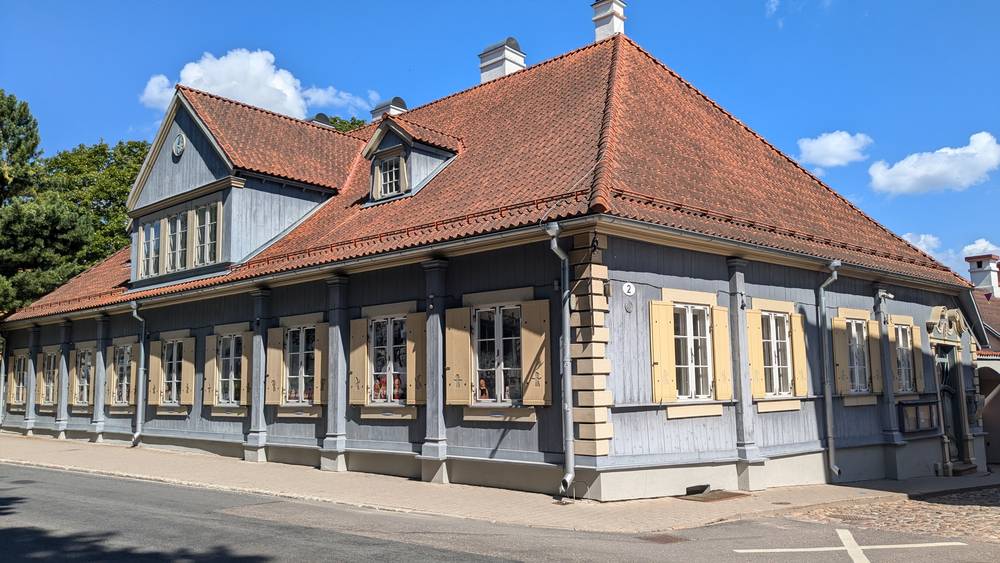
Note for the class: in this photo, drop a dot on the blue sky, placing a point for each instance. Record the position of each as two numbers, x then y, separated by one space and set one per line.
898 78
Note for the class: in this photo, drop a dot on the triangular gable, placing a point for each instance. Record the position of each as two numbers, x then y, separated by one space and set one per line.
164 175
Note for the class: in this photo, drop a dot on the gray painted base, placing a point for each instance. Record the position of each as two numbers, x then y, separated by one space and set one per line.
333 461
434 471
256 455
751 476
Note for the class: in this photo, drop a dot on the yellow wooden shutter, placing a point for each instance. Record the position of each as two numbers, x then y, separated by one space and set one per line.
322 350
755 343
39 378
893 354
721 359
110 377
210 371
133 372
458 356
187 371
536 386
416 358
155 372
875 354
71 398
357 369
841 354
918 358
800 360
246 369
661 351
274 381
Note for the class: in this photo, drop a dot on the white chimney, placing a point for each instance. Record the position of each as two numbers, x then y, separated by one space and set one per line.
500 59
394 106
609 18
983 273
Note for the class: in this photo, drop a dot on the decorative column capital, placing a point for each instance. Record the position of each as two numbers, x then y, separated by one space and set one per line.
337 280
737 264
435 264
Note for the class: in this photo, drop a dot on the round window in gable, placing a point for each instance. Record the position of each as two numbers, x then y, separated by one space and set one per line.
180 141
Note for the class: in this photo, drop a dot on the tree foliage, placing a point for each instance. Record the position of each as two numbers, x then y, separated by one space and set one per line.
345 125
18 146
58 215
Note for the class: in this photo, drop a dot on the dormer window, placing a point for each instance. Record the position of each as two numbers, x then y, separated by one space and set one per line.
390 178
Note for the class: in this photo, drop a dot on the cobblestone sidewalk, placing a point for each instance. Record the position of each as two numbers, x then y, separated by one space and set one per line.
969 514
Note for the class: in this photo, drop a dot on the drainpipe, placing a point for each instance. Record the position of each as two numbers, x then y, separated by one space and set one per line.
569 455
140 387
827 378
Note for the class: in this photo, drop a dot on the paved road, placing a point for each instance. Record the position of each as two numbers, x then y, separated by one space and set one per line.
69 516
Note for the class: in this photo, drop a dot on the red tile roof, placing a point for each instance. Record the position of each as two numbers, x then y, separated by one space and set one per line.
603 129
989 310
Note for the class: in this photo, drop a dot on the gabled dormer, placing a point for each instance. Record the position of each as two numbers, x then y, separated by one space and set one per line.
224 180
405 156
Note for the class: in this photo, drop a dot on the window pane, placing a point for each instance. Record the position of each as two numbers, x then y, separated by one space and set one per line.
512 384
487 328
379 387
781 327
380 360
680 321
511 323
765 326
683 386
399 387
701 382
379 333
512 354
487 385
487 354
698 320
701 351
769 379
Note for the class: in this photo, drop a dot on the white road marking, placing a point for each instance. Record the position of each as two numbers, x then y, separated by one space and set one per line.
855 551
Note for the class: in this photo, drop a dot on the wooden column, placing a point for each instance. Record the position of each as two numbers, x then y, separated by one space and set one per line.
34 347
254 448
589 336
333 457
63 391
434 453
750 462
100 377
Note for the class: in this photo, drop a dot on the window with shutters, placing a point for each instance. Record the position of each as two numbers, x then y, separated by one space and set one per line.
20 380
50 375
388 356
173 358
177 230
857 345
904 359
300 362
150 259
692 351
122 375
207 235
230 358
775 329
497 346
84 376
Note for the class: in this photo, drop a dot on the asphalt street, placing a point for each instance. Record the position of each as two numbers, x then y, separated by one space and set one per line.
57 515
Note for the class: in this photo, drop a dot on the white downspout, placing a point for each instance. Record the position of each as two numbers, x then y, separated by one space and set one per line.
569 454
825 362
140 386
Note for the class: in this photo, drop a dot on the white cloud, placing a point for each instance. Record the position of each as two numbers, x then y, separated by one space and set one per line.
837 148
980 246
944 169
950 257
771 6
253 78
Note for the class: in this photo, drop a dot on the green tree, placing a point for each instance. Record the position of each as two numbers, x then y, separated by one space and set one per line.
97 178
43 244
345 125
18 147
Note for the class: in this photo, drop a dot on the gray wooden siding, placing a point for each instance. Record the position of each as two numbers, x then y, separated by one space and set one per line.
261 210
200 164
642 429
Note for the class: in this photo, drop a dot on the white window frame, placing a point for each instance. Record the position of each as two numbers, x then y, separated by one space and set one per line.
50 375
173 362
904 359
689 370
84 376
857 351
229 356
206 234
777 375
123 375
302 377
386 393
177 234
501 393
20 380
150 263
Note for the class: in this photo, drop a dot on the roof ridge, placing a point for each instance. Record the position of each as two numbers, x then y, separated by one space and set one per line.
183 87
438 131
777 150
599 200
513 74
